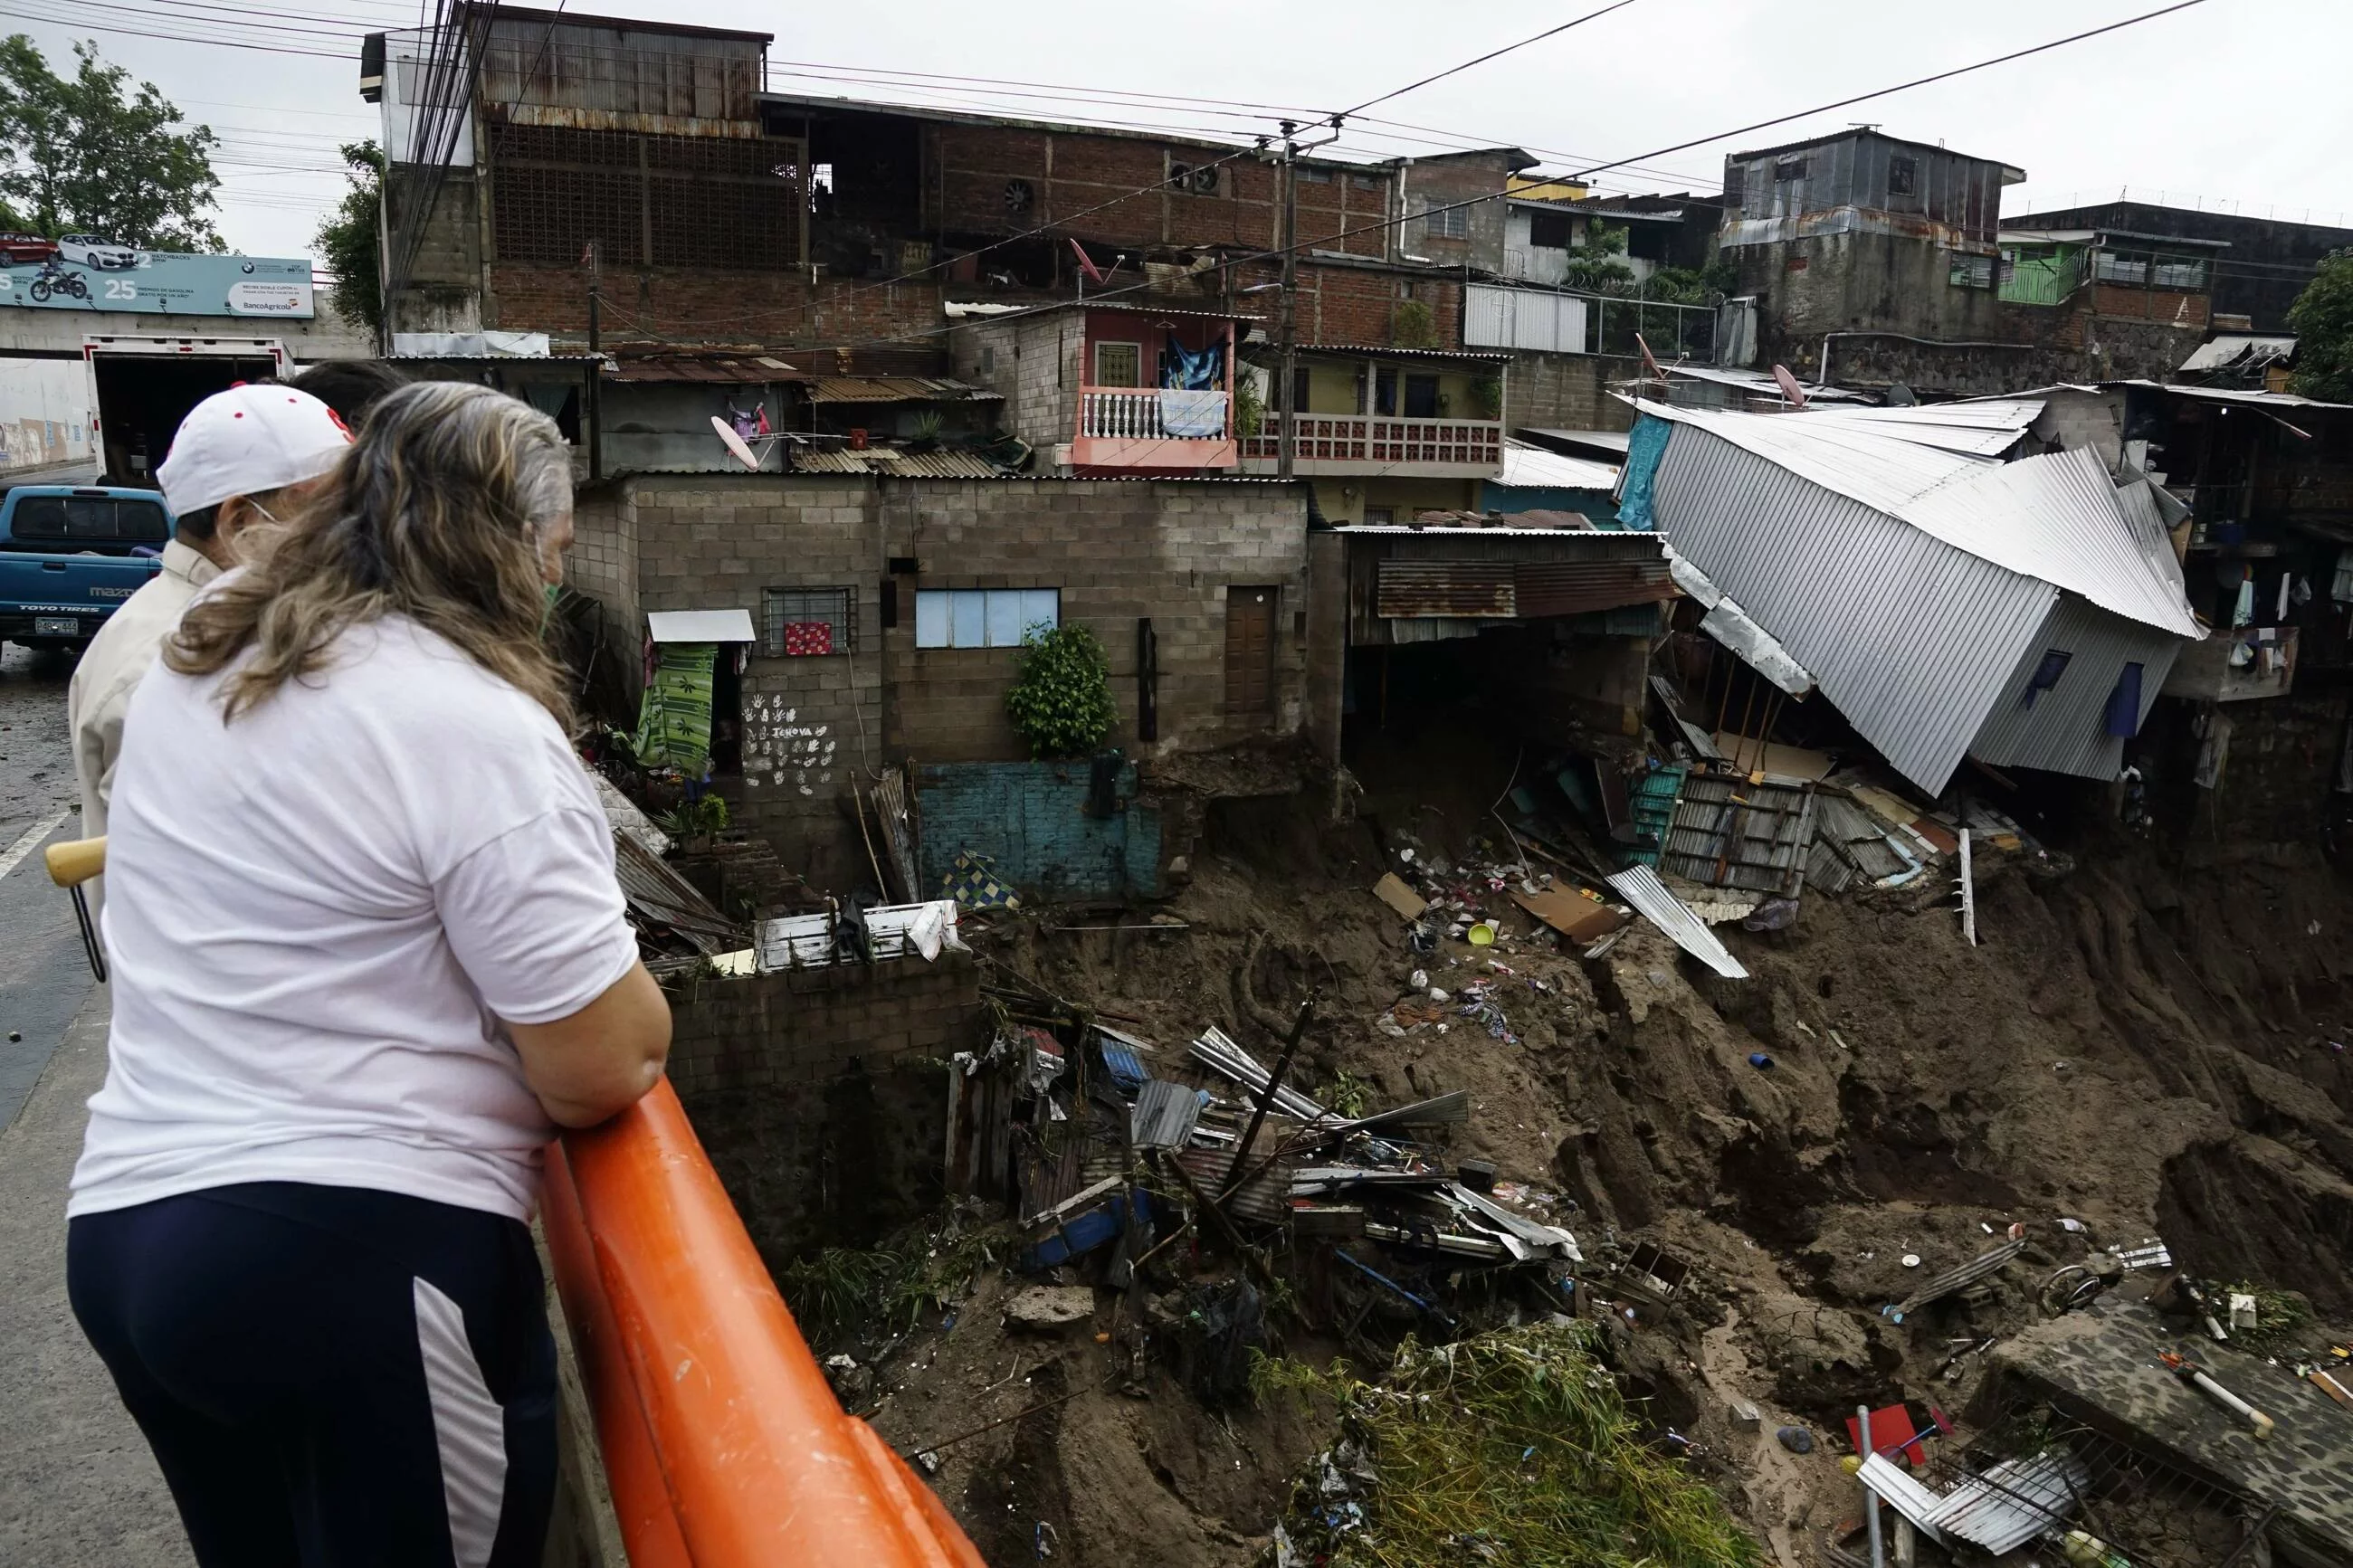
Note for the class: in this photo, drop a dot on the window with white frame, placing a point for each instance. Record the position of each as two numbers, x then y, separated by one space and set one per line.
984 617
803 621
1119 364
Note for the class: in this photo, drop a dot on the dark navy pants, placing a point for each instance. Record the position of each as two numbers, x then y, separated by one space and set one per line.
330 1377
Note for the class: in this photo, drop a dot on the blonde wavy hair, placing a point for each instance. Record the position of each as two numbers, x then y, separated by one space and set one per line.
438 512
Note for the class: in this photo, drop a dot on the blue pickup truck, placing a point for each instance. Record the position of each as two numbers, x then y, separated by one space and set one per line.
69 555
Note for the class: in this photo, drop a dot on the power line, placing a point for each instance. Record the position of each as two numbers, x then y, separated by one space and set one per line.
79 23
1490 55
1903 87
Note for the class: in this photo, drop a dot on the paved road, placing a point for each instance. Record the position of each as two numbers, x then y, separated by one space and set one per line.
78 1486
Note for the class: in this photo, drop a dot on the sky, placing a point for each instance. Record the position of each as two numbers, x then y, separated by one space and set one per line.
2229 103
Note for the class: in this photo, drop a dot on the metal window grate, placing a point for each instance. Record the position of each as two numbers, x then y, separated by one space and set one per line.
834 607
696 201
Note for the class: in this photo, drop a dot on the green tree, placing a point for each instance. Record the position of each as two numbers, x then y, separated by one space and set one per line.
89 153
347 239
1061 700
1599 262
2322 318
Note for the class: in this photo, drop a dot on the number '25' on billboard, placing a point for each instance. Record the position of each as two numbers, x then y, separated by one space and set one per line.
84 272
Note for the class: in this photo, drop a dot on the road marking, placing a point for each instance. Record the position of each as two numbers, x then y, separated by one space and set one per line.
15 854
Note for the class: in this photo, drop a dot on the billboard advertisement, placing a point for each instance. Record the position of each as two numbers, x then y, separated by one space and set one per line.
84 273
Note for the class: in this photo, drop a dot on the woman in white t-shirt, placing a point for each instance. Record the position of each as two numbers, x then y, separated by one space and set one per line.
369 951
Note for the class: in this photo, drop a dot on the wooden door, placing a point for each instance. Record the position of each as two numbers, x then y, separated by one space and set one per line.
1250 649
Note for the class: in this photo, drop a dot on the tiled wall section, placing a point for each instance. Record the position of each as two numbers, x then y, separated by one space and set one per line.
821 1095
1030 819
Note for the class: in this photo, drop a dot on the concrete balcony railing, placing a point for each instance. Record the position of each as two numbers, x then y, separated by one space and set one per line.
1366 443
1145 427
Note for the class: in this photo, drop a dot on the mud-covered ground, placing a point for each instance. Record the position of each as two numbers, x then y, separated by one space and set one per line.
2140 1043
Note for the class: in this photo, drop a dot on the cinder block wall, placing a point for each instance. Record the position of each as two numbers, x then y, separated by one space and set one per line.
1030 819
1117 550
821 1095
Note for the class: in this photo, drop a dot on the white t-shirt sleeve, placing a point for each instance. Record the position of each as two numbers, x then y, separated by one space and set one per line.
535 919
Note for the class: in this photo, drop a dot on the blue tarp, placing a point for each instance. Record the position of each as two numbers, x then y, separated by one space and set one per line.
1644 447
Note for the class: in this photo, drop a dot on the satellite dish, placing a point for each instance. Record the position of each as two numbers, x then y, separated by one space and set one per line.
735 443
1791 390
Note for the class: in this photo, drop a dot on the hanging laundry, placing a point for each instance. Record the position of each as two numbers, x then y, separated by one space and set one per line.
1194 415
2340 587
2244 615
1186 371
674 723
2281 614
2301 594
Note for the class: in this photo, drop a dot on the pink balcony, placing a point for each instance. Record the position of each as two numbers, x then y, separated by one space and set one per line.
1143 428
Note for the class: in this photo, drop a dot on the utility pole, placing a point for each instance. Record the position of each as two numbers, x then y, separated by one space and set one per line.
595 409
1286 387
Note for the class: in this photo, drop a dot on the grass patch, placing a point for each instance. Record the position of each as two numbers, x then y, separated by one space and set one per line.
839 1293
2280 1316
1513 1448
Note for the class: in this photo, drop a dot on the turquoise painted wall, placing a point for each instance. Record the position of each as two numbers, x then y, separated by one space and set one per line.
1031 819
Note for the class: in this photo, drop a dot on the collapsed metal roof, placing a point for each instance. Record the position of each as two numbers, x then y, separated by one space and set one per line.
1530 467
2053 517
1946 604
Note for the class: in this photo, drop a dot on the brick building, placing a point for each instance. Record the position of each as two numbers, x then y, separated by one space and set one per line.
1874 260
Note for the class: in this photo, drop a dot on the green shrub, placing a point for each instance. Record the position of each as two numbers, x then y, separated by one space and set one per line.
1061 700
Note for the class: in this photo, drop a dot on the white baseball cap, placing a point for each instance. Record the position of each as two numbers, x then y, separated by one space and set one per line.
247 441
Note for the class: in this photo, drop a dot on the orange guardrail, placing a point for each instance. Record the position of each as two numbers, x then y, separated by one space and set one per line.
723 1445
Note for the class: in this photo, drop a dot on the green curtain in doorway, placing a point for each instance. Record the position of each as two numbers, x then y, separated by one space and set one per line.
674 725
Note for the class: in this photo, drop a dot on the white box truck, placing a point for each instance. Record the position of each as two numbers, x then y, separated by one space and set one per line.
140 387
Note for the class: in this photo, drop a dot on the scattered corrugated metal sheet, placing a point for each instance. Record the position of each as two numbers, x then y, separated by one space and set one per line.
1756 382
1264 1197
1959 1278
1851 845
1461 589
1215 1051
1164 1115
2247 351
1729 833
1903 1493
898 389
658 897
1640 887
2013 1502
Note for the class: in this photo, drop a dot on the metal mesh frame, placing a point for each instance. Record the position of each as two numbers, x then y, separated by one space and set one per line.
692 200
780 608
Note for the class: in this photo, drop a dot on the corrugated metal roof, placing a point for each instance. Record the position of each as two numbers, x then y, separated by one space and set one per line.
2232 348
700 625
1911 639
1640 887
895 463
1759 382
1986 428
898 389
723 369
2013 1502
1385 351
2052 517
1526 467
1458 589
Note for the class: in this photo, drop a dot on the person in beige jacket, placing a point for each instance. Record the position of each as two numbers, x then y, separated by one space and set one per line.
241 457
